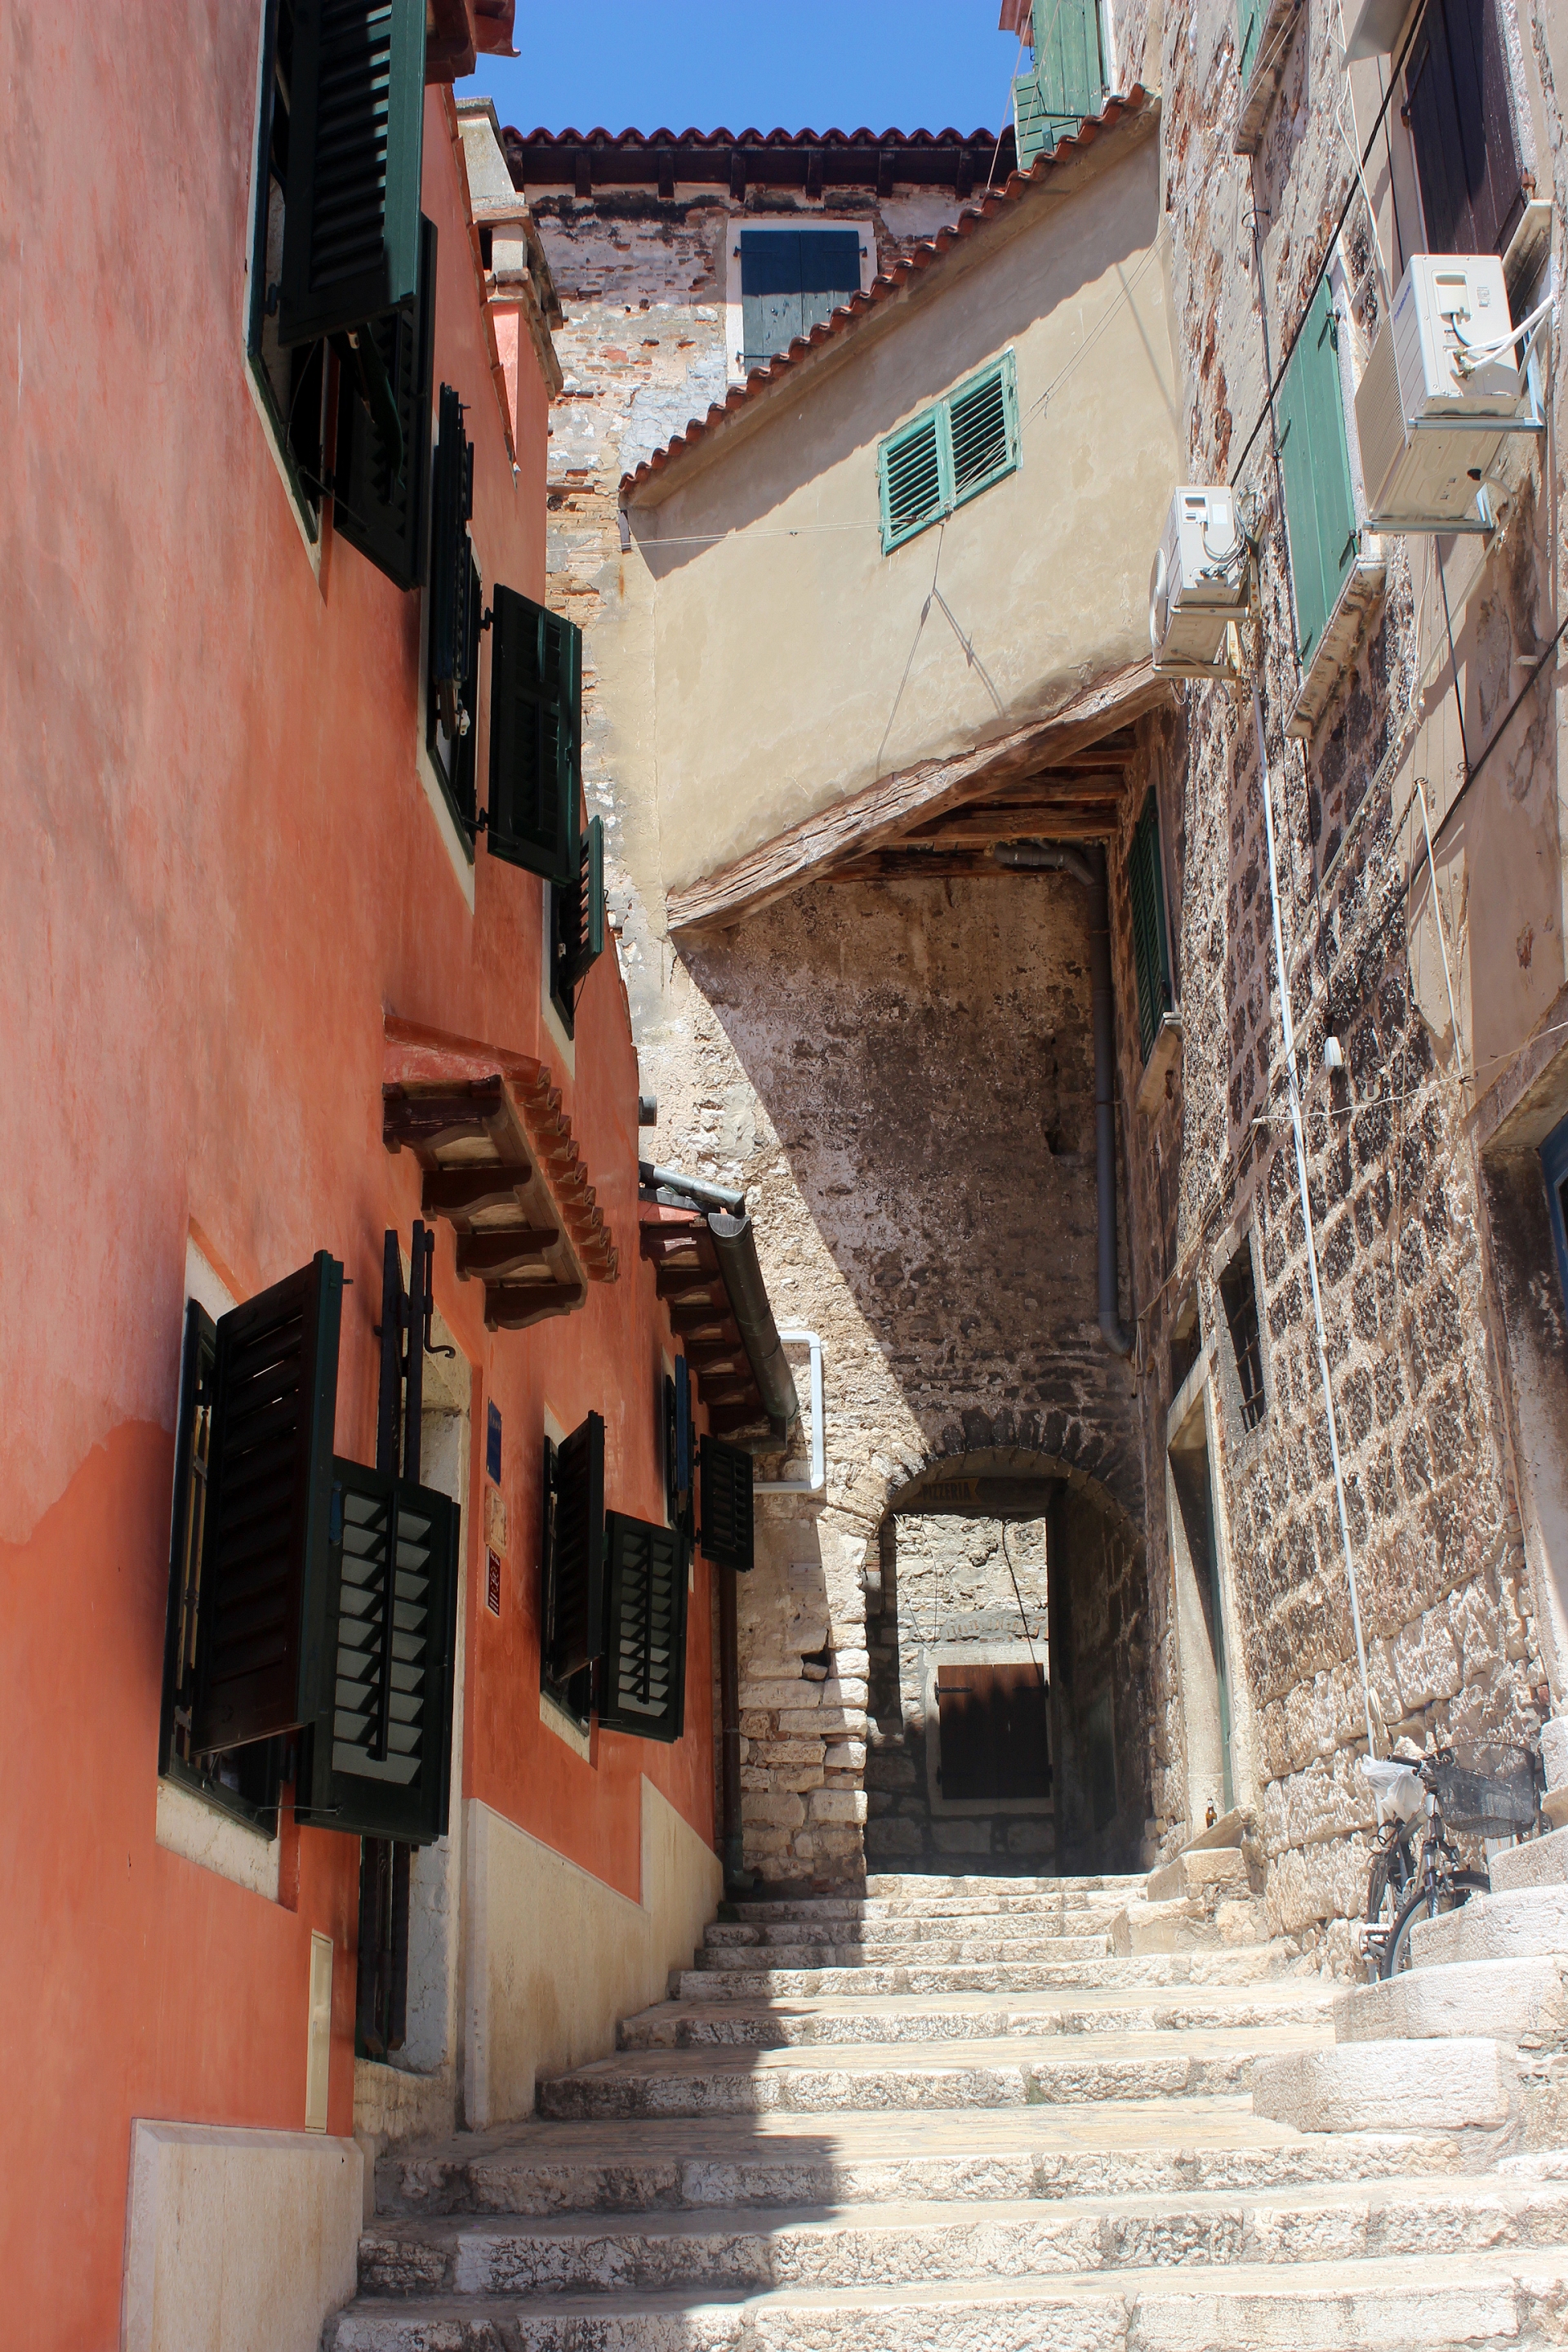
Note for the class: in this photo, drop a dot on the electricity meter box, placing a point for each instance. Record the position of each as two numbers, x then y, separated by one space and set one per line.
1427 415
1199 583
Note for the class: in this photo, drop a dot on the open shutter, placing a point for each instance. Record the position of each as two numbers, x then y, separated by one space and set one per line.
726 1474
451 562
1249 15
1031 129
1067 66
1314 457
380 1755
643 1689
350 220
1457 92
574 1586
381 507
914 477
581 924
193 1445
983 426
266 1575
536 721
1151 948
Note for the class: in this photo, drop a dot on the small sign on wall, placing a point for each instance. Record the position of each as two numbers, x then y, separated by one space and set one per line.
492 1584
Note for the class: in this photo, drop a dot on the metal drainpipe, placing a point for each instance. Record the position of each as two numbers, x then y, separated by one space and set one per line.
1089 868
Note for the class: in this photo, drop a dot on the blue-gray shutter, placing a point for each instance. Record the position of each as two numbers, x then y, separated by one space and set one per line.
793 281
357 115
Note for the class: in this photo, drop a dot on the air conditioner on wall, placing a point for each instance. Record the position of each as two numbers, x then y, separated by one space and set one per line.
1200 582
1431 419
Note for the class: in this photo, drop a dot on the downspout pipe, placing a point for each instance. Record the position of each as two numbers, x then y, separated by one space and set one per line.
736 1247
1088 867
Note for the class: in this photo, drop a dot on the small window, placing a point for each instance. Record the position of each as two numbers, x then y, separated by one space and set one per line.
992 1732
292 378
572 1565
577 927
1459 106
1239 1296
949 453
1554 1169
1314 459
793 281
1151 943
1065 83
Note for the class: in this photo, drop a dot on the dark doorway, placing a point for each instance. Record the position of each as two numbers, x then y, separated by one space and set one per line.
991 1723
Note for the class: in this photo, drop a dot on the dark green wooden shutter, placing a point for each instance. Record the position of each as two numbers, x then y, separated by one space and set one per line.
350 220
266 1574
451 560
379 1760
1031 129
1249 15
982 428
575 1602
726 1475
193 1436
1151 948
913 477
378 507
643 1685
583 926
1314 459
1460 112
793 281
1068 64
536 724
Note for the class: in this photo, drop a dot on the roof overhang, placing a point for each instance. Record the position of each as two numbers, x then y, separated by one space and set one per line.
732 1350
593 162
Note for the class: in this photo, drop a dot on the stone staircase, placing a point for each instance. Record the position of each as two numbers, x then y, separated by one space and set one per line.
965 2115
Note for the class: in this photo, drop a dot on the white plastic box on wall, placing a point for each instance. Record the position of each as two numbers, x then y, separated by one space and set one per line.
1427 416
1199 583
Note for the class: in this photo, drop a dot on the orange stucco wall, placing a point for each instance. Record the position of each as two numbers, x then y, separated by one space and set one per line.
221 871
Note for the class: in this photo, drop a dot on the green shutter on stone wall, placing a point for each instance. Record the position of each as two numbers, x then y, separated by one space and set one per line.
381 507
950 452
356 113
1248 29
643 1685
536 732
1068 67
1315 460
1151 946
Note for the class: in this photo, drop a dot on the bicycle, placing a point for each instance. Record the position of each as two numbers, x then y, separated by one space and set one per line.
1492 1795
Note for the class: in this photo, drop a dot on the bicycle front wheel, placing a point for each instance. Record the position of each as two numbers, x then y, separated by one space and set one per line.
1426 1902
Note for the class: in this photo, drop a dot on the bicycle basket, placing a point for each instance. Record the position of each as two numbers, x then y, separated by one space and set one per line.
1488 1791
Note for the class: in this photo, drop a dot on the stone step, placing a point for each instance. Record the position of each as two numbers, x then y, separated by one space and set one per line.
1537 1862
881 1952
1529 1922
1231 1964
1193 1922
734 2164
977 2074
1048 1910
894 1884
1502 2000
1458 2084
698 2024
903 2245
1000 1927
1427 2303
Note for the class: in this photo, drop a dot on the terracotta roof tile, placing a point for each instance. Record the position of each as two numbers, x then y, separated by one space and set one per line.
921 258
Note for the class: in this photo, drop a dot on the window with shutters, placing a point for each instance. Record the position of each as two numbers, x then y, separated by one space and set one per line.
792 279
949 453
676 1447
1458 103
1065 84
572 1568
725 1473
643 1673
453 618
1239 1296
1151 939
577 925
380 496
336 239
1315 466
536 738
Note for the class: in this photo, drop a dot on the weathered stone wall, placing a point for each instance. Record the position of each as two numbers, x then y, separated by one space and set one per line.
1445 1595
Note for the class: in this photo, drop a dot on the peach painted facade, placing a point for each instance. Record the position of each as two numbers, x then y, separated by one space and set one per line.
224 873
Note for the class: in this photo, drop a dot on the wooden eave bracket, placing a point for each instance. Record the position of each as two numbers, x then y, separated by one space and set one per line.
457 31
677 1244
889 812
501 1164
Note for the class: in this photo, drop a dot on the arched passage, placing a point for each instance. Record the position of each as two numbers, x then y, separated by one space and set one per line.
1008 1722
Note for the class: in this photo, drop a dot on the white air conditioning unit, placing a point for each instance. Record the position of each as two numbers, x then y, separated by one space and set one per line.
1200 581
1426 413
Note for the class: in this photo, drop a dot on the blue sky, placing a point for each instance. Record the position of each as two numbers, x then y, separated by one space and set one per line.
808 65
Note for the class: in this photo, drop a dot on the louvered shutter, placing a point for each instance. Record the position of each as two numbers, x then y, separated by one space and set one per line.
1151 948
574 1587
1068 64
451 560
1031 127
382 509
1249 30
1315 457
379 1758
582 925
643 1685
914 478
536 721
726 1474
350 220
266 1575
983 426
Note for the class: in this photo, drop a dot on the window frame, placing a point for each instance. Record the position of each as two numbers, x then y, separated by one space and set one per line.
734 307
308 501
1253 1402
940 412
1160 983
